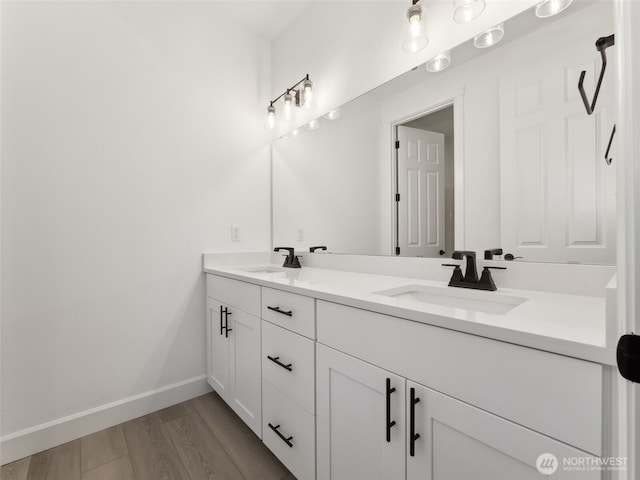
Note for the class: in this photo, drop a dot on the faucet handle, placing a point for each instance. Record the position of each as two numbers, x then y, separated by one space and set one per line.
488 254
456 277
486 280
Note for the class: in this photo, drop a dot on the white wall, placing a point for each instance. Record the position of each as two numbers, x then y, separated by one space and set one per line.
349 47
133 137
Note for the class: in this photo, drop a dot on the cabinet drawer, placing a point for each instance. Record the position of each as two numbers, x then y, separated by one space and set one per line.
295 426
559 396
242 295
295 373
289 310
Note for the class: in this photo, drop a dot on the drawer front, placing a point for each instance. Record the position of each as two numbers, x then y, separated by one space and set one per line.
288 363
295 426
558 396
242 295
289 310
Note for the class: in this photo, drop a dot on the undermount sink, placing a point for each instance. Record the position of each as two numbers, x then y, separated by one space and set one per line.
476 300
264 270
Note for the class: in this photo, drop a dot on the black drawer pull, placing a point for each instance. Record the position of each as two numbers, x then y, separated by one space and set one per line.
390 423
284 439
277 361
226 322
413 436
283 312
221 326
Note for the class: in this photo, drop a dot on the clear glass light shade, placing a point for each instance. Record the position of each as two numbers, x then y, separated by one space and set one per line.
489 37
466 10
333 114
439 62
288 106
307 93
271 116
414 35
549 8
313 125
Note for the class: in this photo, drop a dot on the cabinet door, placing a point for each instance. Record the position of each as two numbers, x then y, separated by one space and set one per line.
356 404
458 442
217 350
245 368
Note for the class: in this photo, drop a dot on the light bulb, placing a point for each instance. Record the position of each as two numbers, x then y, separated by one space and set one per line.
307 93
439 62
549 8
333 114
288 106
295 132
467 10
414 37
271 116
314 124
489 37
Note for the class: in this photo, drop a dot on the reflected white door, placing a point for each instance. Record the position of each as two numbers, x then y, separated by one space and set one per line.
557 192
421 189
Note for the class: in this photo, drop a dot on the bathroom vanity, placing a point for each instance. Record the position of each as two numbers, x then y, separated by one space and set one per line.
345 374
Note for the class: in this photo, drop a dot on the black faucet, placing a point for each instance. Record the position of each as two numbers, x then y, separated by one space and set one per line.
488 254
313 249
470 278
291 261
470 274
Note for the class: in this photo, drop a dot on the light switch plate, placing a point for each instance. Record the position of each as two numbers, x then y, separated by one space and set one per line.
235 233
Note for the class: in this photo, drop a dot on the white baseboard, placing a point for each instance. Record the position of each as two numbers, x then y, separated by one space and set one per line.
47 435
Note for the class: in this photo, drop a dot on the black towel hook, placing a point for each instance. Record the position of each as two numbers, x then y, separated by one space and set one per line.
601 45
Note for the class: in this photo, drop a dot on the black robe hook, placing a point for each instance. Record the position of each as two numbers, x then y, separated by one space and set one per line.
601 45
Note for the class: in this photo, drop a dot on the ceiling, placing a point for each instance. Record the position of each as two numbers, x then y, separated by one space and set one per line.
266 18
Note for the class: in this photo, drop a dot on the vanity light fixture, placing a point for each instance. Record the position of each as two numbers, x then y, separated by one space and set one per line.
466 10
333 114
489 37
414 37
549 8
314 124
300 94
439 62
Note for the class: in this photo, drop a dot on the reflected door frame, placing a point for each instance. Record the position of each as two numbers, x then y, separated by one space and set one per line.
419 106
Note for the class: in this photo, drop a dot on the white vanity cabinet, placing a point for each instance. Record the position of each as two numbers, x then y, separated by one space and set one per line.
288 379
360 419
511 403
233 347
455 441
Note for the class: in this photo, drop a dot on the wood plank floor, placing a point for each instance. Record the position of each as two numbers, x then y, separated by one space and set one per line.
196 440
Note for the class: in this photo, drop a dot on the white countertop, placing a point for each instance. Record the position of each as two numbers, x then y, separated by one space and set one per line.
572 325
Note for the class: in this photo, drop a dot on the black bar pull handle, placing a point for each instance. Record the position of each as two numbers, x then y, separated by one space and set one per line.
413 436
221 325
277 361
226 322
288 313
284 439
390 423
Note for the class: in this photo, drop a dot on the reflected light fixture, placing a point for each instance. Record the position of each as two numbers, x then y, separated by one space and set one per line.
489 37
271 115
439 62
295 132
414 37
300 94
466 10
333 114
549 8
314 124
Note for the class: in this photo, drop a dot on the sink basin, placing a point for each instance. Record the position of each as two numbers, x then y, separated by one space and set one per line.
264 270
476 300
